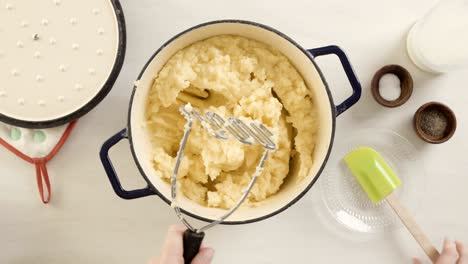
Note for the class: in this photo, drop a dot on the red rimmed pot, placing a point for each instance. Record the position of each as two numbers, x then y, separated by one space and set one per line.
303 59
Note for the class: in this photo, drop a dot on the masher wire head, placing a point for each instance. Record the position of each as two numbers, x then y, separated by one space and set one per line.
214 124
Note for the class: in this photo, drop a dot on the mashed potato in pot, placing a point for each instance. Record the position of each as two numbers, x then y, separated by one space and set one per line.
232 76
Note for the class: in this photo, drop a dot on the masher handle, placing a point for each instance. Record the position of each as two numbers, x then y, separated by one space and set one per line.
413 227
192 243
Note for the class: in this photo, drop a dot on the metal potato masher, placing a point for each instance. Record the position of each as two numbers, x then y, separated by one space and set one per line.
219 128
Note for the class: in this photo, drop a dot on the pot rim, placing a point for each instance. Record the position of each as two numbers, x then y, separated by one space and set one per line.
306 53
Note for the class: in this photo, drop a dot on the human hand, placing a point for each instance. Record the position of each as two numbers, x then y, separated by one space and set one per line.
173 249
453 252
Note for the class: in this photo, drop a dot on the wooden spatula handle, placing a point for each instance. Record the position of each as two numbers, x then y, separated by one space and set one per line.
413 227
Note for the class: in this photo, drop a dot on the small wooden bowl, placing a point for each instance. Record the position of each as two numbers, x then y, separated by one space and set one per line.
450 128
406 85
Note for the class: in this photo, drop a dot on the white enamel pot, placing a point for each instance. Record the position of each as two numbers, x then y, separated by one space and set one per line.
303 59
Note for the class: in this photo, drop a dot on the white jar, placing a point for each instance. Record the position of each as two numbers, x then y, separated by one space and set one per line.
438 42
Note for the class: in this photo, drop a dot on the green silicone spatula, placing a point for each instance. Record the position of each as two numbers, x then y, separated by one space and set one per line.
379 182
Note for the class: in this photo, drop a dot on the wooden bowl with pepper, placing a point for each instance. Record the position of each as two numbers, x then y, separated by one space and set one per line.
435 122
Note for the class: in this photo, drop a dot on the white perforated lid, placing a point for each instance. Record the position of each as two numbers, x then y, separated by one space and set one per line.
58 58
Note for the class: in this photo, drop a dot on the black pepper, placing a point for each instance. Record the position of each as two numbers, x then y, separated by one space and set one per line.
434 123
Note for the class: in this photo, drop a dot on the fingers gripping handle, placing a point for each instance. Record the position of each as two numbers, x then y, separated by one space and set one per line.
413 227
192 243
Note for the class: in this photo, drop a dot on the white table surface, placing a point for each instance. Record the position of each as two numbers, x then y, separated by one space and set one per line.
87 223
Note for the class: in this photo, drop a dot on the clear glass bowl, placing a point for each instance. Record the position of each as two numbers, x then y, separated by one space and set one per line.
344 198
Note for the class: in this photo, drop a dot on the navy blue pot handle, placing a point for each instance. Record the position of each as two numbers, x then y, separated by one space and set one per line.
327 50
109 168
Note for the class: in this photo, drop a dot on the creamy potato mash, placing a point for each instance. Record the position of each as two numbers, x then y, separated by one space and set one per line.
232 76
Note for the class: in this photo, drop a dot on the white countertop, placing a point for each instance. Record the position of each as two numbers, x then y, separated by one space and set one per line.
87 223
